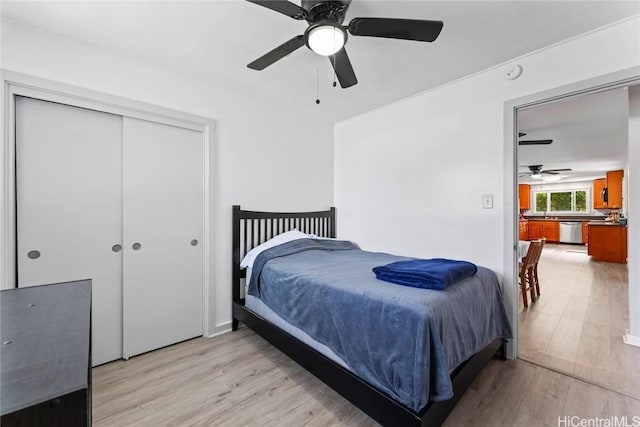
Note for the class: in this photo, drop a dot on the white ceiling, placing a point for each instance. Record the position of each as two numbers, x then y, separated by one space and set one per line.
214 40
589 135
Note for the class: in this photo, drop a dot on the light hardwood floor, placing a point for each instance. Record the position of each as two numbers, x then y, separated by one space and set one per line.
577 324
238 379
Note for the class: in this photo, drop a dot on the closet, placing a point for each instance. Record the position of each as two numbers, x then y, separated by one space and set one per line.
117 200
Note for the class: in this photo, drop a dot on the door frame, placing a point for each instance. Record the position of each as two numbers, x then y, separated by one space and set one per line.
626 77
18 84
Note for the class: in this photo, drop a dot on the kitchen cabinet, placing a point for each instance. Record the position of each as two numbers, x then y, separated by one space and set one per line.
549 230
614 189
524 230
524 196
598 186
585 232
535 230
608 242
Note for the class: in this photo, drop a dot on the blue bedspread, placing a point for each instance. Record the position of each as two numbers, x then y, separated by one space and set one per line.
403 340
436 273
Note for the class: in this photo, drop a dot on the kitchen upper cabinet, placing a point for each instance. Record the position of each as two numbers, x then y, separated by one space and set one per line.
598 186
524 196
614 189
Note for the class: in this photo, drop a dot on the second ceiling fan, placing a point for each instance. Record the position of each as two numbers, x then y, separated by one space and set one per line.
326 35
536 171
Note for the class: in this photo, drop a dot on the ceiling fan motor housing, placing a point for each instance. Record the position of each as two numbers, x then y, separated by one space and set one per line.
535 168
322 10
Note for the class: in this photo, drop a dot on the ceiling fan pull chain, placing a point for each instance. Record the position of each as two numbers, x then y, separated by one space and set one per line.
334 61
317 81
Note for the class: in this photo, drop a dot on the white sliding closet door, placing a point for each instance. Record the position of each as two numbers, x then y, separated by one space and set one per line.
163 223
69 208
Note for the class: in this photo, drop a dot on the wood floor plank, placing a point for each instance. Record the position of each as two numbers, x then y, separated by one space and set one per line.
598 300
586 401
238 379
547 396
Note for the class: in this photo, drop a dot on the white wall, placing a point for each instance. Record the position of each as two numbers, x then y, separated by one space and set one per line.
266 158
409 177
633 213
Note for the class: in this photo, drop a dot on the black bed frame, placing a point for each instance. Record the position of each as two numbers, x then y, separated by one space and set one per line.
253 228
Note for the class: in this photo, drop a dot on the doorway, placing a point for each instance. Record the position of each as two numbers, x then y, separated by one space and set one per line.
577 324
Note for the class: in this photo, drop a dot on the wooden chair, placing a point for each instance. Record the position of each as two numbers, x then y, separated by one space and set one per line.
536 282
527 274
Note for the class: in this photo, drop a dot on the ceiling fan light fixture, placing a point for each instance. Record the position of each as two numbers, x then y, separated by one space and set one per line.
325 38
552 178
536 175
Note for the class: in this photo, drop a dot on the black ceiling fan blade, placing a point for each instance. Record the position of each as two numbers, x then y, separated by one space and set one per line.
555 171
292 10
536 142
344 71
521 134
278 53
405 29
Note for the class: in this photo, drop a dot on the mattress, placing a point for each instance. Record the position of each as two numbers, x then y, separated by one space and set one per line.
258 307
404 341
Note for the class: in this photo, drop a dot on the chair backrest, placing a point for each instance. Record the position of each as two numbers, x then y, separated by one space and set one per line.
539 251
530 259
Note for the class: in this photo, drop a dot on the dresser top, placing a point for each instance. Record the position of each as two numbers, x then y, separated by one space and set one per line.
45 343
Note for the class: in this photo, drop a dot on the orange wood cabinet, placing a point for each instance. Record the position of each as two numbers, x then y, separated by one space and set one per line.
614 189
598 186
585 232
608 243
536 230
524 196
524 230
550 230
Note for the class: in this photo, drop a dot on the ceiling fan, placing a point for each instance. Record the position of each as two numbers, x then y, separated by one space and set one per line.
535 171
533 141
326 35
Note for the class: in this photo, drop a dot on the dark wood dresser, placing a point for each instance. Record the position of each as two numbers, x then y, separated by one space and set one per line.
45 360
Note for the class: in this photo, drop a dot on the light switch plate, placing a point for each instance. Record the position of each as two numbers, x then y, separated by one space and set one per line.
487 201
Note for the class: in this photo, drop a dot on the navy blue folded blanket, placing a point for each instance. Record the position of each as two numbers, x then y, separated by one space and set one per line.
436 273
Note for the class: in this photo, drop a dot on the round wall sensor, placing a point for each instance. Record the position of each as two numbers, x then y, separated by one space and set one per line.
513 72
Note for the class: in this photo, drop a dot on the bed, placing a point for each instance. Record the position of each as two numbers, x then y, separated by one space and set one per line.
399 390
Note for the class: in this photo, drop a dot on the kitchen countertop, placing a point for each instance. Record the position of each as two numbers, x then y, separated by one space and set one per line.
607 224
565 219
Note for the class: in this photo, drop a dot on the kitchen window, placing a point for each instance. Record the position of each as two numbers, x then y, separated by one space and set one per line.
565 201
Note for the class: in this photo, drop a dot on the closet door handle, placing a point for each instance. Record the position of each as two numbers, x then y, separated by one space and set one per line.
136 246
116 248
194 242
33 254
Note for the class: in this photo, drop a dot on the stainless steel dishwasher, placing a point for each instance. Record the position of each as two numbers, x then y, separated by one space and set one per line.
571 232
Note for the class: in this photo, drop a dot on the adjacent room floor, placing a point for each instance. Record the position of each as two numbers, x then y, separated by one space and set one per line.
577 324
238 379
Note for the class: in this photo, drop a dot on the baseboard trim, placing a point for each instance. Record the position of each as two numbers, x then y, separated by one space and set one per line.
631 339
220 329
